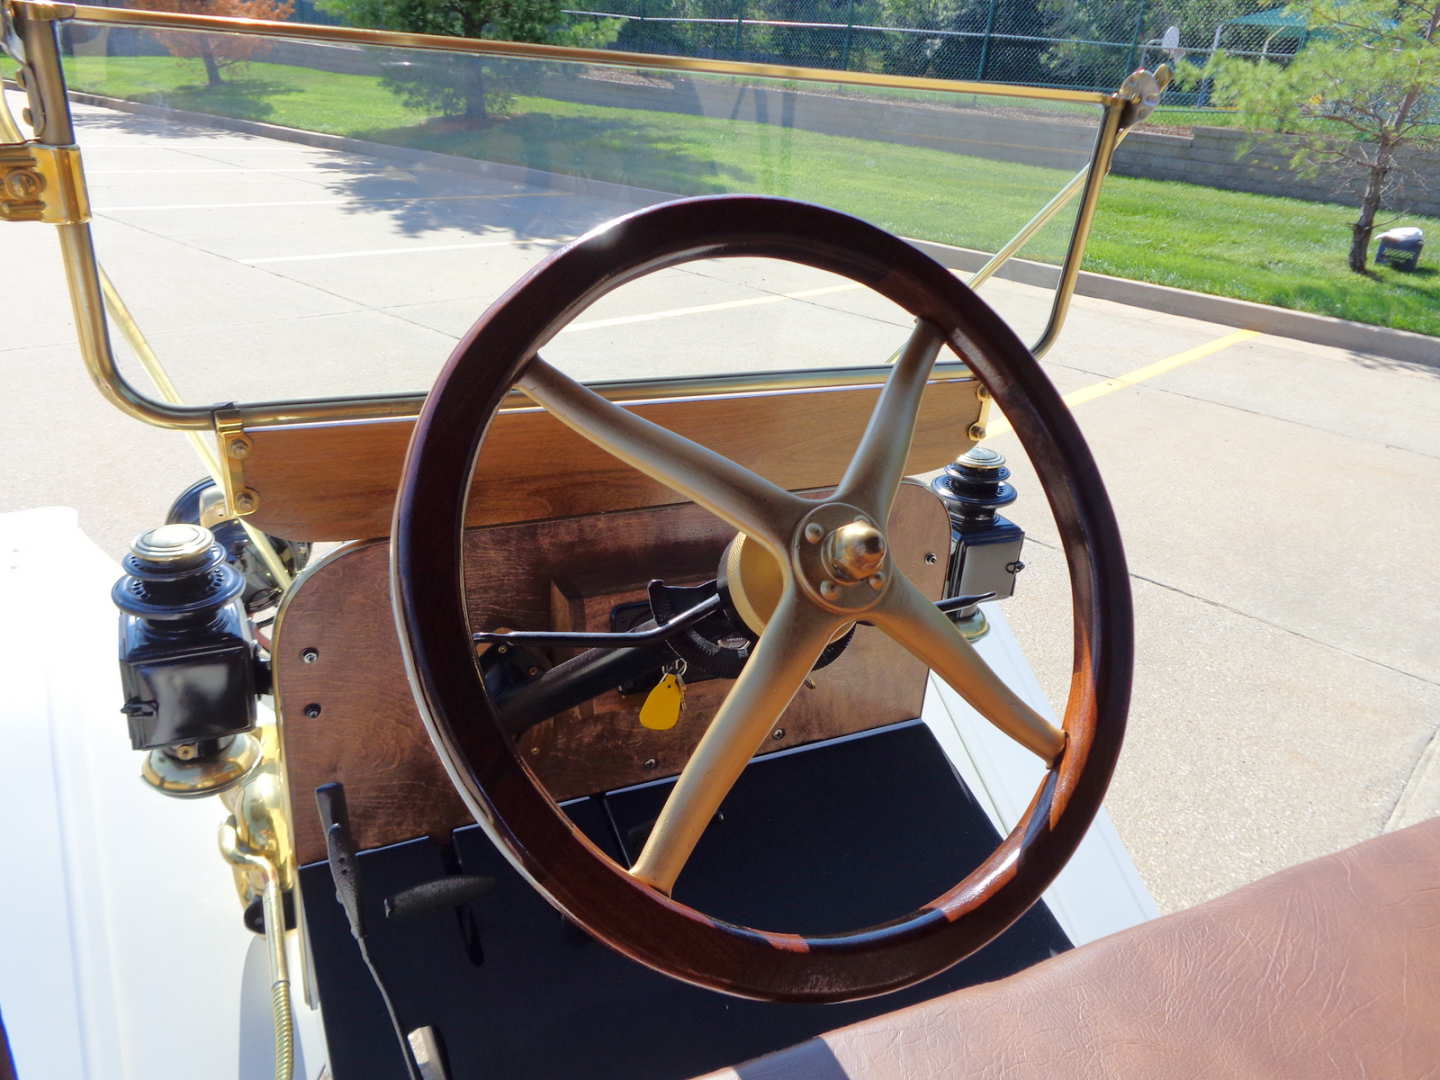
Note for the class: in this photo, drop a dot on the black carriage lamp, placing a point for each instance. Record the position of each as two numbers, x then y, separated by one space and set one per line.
984 546
187 662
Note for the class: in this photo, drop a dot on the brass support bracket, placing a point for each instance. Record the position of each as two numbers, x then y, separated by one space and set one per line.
235 446
42 183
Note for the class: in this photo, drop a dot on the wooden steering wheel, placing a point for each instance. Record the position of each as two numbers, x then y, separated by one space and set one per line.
836 569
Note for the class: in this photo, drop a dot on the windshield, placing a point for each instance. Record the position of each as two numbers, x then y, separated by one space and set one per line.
289 219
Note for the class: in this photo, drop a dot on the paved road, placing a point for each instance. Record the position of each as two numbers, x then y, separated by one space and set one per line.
1278 499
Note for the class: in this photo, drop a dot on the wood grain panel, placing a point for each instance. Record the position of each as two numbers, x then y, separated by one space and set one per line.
367 734
338 481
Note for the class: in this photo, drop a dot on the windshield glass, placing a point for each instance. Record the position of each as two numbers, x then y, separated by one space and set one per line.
289 219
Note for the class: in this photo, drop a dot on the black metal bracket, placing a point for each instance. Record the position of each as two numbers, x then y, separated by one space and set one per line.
655 635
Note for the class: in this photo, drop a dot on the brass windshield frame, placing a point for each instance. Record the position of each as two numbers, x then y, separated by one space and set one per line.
30 34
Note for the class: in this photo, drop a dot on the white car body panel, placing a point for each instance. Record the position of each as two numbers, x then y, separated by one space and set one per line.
124 951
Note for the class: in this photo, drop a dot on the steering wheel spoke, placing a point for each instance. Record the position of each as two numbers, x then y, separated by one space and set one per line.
755 506
873 475
928 634
791 644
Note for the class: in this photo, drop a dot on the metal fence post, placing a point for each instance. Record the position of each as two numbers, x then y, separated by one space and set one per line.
985 41
1135 46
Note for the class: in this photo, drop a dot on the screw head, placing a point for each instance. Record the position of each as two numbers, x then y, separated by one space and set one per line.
309 656
24 184
312 710
244 501
814 533
778 734
649 763
239 447
931 558
976 432
185 751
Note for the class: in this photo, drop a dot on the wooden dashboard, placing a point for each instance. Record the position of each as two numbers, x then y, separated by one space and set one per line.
340 683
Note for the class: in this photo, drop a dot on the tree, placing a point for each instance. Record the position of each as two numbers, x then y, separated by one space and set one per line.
1365 87
217 51
467 87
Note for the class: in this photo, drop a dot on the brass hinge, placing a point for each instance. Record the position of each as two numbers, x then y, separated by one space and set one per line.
42 183
240 499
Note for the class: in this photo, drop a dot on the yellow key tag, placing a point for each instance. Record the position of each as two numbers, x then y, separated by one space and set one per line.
665 704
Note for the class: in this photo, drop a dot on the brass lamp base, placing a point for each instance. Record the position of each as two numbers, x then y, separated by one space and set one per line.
202 776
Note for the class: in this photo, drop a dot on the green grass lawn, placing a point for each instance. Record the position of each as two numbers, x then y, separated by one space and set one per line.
1270 250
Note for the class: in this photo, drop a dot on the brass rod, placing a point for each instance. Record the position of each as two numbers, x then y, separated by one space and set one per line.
1105 142
120 312
350 35
9 129
1030 228
406 406
77 246
45 80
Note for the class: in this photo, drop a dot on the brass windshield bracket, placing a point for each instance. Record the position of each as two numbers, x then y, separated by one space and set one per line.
241 500
42 183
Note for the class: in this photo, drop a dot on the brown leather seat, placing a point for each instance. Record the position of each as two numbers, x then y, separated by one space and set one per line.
1328 969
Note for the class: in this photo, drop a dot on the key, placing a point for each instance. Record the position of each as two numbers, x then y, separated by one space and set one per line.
665 704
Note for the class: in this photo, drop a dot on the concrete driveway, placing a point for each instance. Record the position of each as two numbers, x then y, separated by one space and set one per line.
1279 499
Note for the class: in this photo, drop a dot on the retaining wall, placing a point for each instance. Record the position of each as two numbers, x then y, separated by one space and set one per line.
1218 157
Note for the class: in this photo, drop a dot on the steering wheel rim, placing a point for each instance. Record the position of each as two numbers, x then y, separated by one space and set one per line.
494 780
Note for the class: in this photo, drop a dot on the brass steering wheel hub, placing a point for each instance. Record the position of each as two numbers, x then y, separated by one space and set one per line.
840 558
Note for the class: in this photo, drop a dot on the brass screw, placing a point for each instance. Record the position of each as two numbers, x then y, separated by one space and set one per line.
239 447
312 710
650 763
814 532
976 432
24 184
245 501
309 656
778 734
930 558
185 751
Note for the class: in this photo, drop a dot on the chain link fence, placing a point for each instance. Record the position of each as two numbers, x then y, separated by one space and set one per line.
1081 44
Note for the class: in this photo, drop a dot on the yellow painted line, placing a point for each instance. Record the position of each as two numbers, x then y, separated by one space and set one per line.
1139 375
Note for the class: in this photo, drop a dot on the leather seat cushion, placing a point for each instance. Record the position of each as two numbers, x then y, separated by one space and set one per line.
1328 969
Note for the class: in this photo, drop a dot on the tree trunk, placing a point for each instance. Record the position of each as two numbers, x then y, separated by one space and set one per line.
475 111
1370 202
1365 223
212 66
472 83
